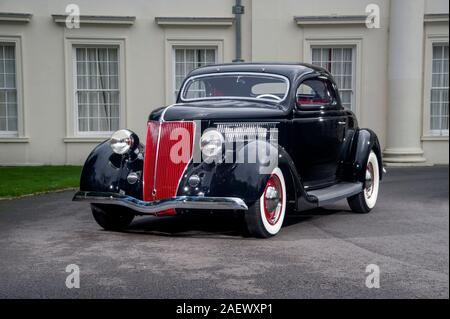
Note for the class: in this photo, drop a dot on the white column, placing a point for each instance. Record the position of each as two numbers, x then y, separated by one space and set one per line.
405 60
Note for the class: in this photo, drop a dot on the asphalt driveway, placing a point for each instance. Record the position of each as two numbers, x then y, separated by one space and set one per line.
320 255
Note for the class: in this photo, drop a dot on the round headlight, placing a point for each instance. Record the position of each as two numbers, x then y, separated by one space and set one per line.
211 143
122 141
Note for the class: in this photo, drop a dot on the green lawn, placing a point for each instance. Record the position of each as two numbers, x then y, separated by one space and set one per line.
17 181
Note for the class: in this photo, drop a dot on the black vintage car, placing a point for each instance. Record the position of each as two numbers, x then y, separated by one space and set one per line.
261 139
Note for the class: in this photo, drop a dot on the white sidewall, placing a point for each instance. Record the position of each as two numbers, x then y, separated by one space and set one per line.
370 202
274 229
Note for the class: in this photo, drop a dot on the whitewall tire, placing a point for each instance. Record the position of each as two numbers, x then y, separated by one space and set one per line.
265 217
365 201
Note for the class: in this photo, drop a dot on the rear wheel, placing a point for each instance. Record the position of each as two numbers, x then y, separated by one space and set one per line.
367 198
265 217
112 217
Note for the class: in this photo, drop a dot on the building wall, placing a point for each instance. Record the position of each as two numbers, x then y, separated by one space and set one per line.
44 65
295 41
436 148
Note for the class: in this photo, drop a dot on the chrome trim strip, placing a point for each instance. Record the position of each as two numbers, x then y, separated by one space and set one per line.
161 119
288 86
252 130
266 123
152 208
156 162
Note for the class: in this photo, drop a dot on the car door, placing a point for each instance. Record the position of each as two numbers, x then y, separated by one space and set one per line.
319 126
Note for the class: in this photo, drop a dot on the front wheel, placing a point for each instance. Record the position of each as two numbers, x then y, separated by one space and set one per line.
265 217
367 198
112 217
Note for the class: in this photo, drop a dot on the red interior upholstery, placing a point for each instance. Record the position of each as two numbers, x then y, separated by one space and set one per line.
217 92
307 100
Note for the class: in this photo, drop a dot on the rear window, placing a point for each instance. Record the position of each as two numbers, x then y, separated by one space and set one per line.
315 91
236 85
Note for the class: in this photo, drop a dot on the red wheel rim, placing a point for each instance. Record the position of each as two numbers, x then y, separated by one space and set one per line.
273 207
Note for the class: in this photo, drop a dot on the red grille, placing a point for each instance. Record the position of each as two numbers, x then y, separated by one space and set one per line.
161 172
150 158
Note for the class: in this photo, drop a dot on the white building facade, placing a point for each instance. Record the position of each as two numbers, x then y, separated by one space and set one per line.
65 87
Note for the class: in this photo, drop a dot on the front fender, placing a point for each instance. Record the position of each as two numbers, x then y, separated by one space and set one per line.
105 171
245 179
365 141
243 175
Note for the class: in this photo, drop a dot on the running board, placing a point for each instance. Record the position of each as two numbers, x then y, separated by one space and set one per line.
336 192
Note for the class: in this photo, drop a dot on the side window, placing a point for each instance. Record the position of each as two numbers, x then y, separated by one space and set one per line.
315 91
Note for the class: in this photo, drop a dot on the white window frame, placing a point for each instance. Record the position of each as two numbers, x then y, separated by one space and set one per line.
431 40
174 48
75 47
356 44
176 43
72 132
20 133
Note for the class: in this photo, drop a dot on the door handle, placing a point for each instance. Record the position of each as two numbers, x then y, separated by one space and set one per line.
342 122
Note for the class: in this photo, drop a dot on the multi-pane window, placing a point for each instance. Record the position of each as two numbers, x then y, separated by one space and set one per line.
97 89
339 61
8 89
187 59
439 91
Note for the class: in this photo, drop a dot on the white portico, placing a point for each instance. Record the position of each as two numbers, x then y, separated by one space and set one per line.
405 69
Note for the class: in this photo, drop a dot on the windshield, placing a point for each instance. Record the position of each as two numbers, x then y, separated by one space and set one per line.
236 85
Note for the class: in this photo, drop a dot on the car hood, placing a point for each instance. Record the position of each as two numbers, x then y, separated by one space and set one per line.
219 110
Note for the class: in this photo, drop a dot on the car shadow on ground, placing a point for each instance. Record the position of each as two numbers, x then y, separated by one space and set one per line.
214 225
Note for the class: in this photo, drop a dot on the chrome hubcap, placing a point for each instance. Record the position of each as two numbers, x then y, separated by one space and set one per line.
272 198
368 190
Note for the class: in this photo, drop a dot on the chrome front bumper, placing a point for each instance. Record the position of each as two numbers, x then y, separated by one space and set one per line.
152 208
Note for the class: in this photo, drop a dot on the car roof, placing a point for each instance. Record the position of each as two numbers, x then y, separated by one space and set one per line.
289 70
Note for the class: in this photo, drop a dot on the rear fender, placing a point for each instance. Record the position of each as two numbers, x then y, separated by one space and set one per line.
365 141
